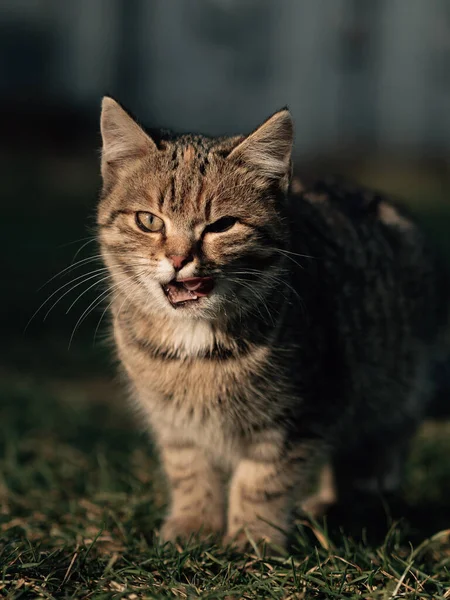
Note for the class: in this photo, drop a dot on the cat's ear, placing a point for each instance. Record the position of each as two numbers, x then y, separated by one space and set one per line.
122 137
268 149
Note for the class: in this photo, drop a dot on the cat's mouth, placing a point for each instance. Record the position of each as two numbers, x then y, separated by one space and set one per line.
182 291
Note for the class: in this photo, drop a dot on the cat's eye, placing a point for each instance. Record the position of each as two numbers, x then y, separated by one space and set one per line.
220 225
149 222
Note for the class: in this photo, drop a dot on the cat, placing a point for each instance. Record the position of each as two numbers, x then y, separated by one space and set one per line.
263 331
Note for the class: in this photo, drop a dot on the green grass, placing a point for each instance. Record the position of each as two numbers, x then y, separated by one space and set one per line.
81 497
81 494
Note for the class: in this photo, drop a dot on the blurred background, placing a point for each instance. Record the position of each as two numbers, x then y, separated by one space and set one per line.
368 83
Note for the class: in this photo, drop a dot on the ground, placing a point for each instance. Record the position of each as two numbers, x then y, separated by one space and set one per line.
81 497
81 494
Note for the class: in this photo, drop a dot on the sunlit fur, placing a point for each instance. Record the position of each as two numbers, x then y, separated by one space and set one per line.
316 340
191 182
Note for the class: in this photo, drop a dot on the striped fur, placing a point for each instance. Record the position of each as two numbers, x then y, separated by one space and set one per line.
316 340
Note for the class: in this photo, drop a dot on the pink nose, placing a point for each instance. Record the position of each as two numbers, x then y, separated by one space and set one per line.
179 260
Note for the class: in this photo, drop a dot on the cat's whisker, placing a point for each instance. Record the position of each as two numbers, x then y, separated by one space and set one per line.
90 287
92 306
282 252
86 291
111 289
275 281
81 248
66 244
296 253
270 276
93 273
126 298
70 268
257 295
238 304
83 262
108 306
274 278
86 312
85 277
58 300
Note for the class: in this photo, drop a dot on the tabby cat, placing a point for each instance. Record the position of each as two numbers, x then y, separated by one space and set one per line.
262 331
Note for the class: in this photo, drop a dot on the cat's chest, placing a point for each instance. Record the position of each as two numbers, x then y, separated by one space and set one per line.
229 391
196 383
207 403
196 386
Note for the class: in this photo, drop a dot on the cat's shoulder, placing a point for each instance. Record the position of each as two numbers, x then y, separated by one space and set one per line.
354 201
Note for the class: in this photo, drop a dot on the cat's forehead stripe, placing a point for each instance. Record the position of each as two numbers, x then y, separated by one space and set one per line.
188 162
188 154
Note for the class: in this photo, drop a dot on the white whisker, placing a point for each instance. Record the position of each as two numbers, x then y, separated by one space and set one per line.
257 295
86 291
71 267
93 273
92 306
81 248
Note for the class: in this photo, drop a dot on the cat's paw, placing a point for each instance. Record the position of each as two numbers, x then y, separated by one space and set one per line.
183 528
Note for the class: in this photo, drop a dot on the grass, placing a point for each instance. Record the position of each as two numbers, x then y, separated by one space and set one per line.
81 497
81 494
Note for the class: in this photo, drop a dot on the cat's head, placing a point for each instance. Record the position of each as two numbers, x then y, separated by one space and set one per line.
193 226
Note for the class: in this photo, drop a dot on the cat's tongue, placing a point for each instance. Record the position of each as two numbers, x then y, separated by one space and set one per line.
183 290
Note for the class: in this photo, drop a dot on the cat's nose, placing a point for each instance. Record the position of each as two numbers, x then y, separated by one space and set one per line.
179 260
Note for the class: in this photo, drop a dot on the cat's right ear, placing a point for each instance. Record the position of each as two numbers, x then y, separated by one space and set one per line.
268 149
122 137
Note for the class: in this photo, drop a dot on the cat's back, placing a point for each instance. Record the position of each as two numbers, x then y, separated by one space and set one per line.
371 259
376 297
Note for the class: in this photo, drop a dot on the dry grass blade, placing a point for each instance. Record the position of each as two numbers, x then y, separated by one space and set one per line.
78 517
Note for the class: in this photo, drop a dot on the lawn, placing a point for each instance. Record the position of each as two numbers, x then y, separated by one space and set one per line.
81 493
81 497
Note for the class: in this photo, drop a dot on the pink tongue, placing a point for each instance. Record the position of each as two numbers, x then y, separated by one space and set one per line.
192 284
200 285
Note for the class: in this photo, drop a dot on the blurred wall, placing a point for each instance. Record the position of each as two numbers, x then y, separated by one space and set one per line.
374 73
368 82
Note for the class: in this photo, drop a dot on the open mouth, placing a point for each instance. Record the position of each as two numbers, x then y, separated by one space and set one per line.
181 291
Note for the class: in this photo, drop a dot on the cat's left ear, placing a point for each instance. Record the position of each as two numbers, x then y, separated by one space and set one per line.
122 137
269 148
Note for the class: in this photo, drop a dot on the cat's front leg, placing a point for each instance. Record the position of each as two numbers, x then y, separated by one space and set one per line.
197 494
264 488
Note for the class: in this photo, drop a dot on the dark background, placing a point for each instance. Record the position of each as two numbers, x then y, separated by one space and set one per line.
81 496
368 82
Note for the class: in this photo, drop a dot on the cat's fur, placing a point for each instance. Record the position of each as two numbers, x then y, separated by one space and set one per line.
316 341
